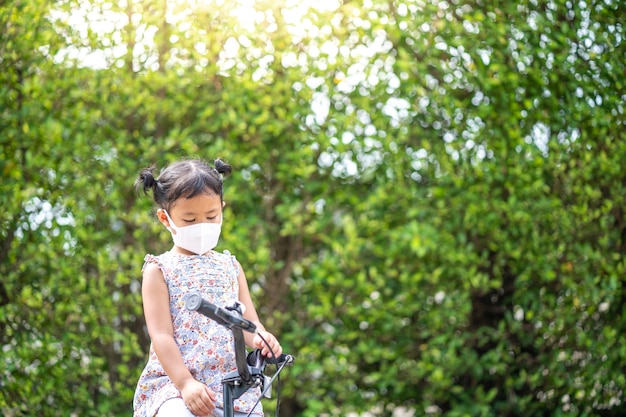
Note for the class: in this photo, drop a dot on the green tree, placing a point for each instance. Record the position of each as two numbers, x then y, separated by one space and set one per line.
493 268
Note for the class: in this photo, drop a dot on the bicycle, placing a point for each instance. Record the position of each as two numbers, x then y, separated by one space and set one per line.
251 366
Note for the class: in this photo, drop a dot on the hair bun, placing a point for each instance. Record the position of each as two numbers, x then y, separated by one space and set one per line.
222 167
146 179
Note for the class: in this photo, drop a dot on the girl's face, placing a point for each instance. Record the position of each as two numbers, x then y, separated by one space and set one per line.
203 208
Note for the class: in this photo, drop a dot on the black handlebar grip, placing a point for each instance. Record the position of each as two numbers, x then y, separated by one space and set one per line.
195 302
256 359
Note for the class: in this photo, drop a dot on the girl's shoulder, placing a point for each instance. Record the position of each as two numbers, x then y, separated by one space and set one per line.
229 257
149 260
165 260
226 254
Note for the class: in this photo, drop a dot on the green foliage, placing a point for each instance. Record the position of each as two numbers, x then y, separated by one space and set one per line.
428 197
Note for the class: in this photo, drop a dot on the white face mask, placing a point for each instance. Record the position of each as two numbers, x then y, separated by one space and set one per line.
197 238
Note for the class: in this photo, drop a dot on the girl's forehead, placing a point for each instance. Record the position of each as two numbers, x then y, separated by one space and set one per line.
199 203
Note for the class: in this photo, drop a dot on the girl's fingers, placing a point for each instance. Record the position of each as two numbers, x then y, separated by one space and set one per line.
274 345
211 395
202 404
201 408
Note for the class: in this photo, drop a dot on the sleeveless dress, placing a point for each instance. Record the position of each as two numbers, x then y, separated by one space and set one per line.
207 347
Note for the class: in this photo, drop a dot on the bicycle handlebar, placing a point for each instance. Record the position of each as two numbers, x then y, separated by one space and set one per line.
195 302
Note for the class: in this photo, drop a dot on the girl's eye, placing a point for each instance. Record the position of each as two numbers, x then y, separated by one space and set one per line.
189 221
212 218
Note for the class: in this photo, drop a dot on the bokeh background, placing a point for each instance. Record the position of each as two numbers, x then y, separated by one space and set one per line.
428 196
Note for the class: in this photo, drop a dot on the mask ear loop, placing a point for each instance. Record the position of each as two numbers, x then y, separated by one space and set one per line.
169 219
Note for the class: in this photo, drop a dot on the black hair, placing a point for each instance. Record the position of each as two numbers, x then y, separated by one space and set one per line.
187 178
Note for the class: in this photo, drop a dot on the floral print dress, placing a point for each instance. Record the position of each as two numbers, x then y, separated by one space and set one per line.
206 346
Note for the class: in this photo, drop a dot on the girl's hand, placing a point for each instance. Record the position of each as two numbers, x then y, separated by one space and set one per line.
271 340
198 398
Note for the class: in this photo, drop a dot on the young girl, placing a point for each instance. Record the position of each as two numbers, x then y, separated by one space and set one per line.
190 353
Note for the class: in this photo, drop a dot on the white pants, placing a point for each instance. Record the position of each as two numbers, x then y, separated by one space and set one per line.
175 407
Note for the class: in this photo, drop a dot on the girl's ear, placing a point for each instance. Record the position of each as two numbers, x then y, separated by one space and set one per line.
163 217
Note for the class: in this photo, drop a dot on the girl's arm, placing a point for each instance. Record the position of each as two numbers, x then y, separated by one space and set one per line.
254 340
156 304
